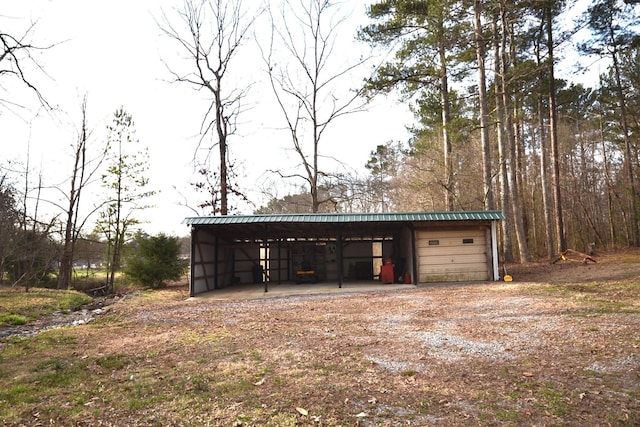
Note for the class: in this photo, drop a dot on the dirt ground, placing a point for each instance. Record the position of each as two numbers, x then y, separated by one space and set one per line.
559 345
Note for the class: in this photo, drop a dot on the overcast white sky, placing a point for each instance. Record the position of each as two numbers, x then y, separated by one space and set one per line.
113 52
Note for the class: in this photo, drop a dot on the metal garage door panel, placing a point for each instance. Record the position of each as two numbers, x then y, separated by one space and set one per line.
443 256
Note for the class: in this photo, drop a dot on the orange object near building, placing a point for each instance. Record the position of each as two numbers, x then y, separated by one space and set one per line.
386 273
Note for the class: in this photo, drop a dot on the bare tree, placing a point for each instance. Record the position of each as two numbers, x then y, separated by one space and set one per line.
16 51
210 34
82 174
26 244
306 82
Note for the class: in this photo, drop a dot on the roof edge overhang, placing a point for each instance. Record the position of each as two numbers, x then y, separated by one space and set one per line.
346 218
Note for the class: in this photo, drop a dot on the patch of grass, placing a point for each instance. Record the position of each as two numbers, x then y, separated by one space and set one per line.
551 399
596 307
513 395
72 300
55 373
597 298
52 364
278 381
19 393
43 369
142 396
199 338
506 415
12 319
255 355
110 320
30 348
141 390
56 337
113 362
135 404
200 384
147 296
325 369
623 258
38 302
283 420
54 384
234 388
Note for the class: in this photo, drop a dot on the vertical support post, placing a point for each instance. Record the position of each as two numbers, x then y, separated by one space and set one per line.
289 262
266 251
414 249
216 267
192 286
279 241
494 250
340 260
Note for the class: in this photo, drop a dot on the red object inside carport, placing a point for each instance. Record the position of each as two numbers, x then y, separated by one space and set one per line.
386 273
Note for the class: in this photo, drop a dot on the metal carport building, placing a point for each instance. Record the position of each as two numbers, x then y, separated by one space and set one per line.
422 246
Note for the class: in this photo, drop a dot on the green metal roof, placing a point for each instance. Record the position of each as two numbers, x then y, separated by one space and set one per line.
345 218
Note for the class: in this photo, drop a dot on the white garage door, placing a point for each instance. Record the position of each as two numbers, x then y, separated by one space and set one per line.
453 255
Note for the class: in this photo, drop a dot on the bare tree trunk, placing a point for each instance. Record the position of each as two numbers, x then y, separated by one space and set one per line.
516 201
607 174
582 188
446 138
549 228
315 201
634 239
510 143
213 34
114 265
553 134
507 247
544 178
221 128
77 182
484 110
310 103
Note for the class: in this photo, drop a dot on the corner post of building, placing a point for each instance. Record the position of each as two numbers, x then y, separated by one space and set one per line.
414 255
266 254
494 250
216 259
192 285
340 260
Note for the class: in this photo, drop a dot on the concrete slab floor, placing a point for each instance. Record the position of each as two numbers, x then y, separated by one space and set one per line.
243 292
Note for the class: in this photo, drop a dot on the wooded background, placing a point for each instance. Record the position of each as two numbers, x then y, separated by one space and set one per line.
497 129
494 128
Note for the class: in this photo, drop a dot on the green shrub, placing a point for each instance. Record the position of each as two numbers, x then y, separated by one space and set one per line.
156 261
